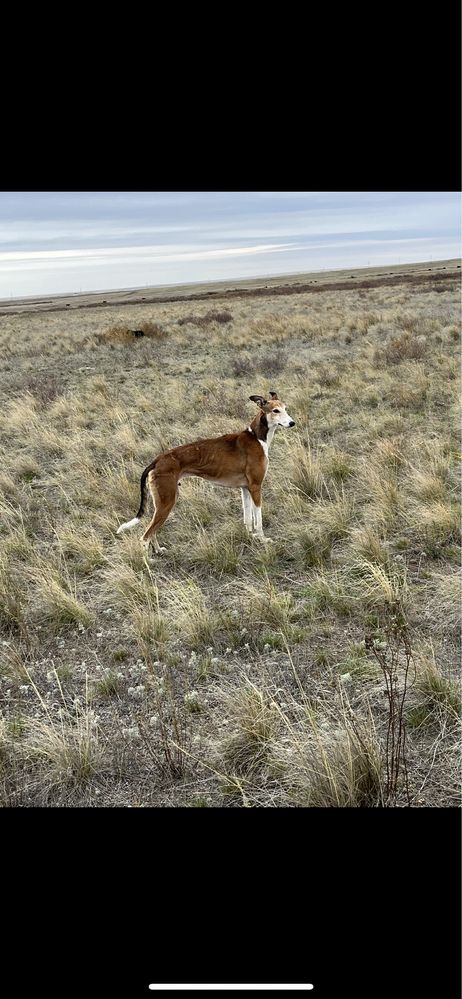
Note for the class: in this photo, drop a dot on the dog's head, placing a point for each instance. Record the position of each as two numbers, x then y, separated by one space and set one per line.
274 410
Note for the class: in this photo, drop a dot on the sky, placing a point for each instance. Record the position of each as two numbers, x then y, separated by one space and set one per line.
70 242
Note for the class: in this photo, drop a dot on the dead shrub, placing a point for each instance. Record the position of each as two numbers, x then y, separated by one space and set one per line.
268 364
44 386
401 348
242 365
405 397
272 364
209 317
122 334
327 377
152 330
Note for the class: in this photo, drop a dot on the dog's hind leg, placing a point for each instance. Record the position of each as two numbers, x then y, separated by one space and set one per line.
163 489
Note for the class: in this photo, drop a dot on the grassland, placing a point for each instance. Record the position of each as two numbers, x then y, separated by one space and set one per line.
225 672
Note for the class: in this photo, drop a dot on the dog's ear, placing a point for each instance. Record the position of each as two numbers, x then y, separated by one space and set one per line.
260 401
273 395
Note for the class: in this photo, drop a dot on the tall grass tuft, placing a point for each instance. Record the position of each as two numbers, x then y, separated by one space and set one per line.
57 596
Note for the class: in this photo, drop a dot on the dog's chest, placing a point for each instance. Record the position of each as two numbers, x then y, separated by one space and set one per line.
262 458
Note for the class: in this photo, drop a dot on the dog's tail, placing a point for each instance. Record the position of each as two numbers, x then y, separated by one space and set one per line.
136 520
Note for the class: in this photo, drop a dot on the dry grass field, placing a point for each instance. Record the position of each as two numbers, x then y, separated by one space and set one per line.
321 670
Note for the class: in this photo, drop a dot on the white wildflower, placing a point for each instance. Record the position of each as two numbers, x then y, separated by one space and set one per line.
192 701
131 733
136 691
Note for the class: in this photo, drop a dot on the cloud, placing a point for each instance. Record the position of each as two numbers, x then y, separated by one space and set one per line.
154 253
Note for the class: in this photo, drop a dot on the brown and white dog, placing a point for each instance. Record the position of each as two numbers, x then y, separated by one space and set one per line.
237 460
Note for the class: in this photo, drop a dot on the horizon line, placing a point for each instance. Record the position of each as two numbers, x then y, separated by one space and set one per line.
251 277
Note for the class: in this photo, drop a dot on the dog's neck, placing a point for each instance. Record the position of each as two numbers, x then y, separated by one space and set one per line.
263 433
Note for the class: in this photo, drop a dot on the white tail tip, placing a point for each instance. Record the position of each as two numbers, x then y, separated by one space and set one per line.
128 525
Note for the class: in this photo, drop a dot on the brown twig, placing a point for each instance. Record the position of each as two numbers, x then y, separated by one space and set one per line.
387 648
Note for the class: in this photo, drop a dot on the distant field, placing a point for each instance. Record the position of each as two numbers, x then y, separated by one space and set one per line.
286 284
226 673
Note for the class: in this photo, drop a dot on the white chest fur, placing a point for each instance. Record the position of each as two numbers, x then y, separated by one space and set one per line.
269 437
265 444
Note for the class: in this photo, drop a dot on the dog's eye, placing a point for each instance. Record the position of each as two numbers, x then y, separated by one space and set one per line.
276 410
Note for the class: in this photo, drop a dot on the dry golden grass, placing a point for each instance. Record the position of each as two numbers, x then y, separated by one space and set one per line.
226 670
441 691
